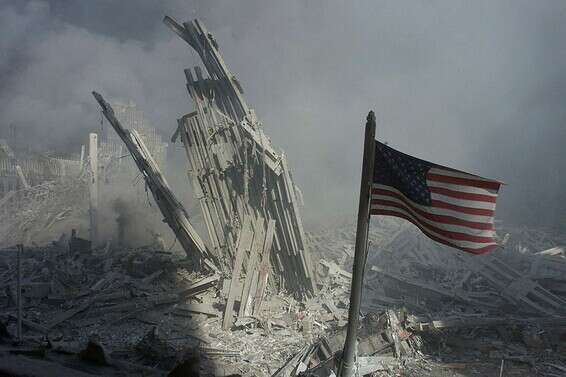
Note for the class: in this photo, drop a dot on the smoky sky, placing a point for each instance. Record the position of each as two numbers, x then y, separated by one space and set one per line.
476 85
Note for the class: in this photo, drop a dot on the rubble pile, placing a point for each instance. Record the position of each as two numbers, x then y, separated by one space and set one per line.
453 309
35 213
145 308
262 297
113 310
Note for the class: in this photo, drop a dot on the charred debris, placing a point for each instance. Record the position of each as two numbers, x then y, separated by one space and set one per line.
258 295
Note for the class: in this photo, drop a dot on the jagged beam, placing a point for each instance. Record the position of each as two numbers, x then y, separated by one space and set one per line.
173 211
196 35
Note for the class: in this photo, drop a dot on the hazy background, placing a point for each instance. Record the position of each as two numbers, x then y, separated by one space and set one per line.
477 85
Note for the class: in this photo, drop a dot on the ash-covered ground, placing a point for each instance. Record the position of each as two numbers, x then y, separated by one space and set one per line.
428 311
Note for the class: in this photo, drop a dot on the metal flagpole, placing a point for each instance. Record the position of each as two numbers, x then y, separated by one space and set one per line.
19 292
347 363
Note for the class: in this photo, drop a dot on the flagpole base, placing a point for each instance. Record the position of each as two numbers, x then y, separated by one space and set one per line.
345 369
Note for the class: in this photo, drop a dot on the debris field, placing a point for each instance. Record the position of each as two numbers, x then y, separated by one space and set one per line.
258 294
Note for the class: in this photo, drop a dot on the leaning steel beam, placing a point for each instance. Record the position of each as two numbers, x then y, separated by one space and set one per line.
173 211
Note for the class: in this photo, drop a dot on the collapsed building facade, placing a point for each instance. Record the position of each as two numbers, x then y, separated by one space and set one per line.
244 187
20 172
35 192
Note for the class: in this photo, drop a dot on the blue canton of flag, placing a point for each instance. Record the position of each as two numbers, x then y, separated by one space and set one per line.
403 172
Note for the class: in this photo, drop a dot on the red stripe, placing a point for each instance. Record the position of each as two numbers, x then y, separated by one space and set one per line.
468 210
454 235
470 250
463 195
440 204
464 181
473 176
434 217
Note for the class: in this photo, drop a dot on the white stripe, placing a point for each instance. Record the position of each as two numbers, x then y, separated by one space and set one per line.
439 211
440 225
435 210
463 202
460 243
449 173
461 188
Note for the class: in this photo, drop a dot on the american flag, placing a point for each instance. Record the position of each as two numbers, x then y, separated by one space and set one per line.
449 206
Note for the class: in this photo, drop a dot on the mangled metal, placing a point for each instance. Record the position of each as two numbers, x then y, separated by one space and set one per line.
241 182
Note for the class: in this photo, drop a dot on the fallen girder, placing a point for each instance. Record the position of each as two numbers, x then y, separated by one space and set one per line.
174 214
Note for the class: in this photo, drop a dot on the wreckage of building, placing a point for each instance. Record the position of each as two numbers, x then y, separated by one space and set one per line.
33 191
248 198
244 186
247 300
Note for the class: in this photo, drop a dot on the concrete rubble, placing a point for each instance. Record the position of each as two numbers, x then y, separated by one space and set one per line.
455 311
26 214
119 310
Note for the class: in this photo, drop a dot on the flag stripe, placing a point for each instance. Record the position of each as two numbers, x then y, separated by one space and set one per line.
462 195
442 208
460 243
450 220
463 181
471 190
463 202
443 170
454 235
473 250
470 211
391 195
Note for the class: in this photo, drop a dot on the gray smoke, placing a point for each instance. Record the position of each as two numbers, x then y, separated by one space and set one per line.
479 86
